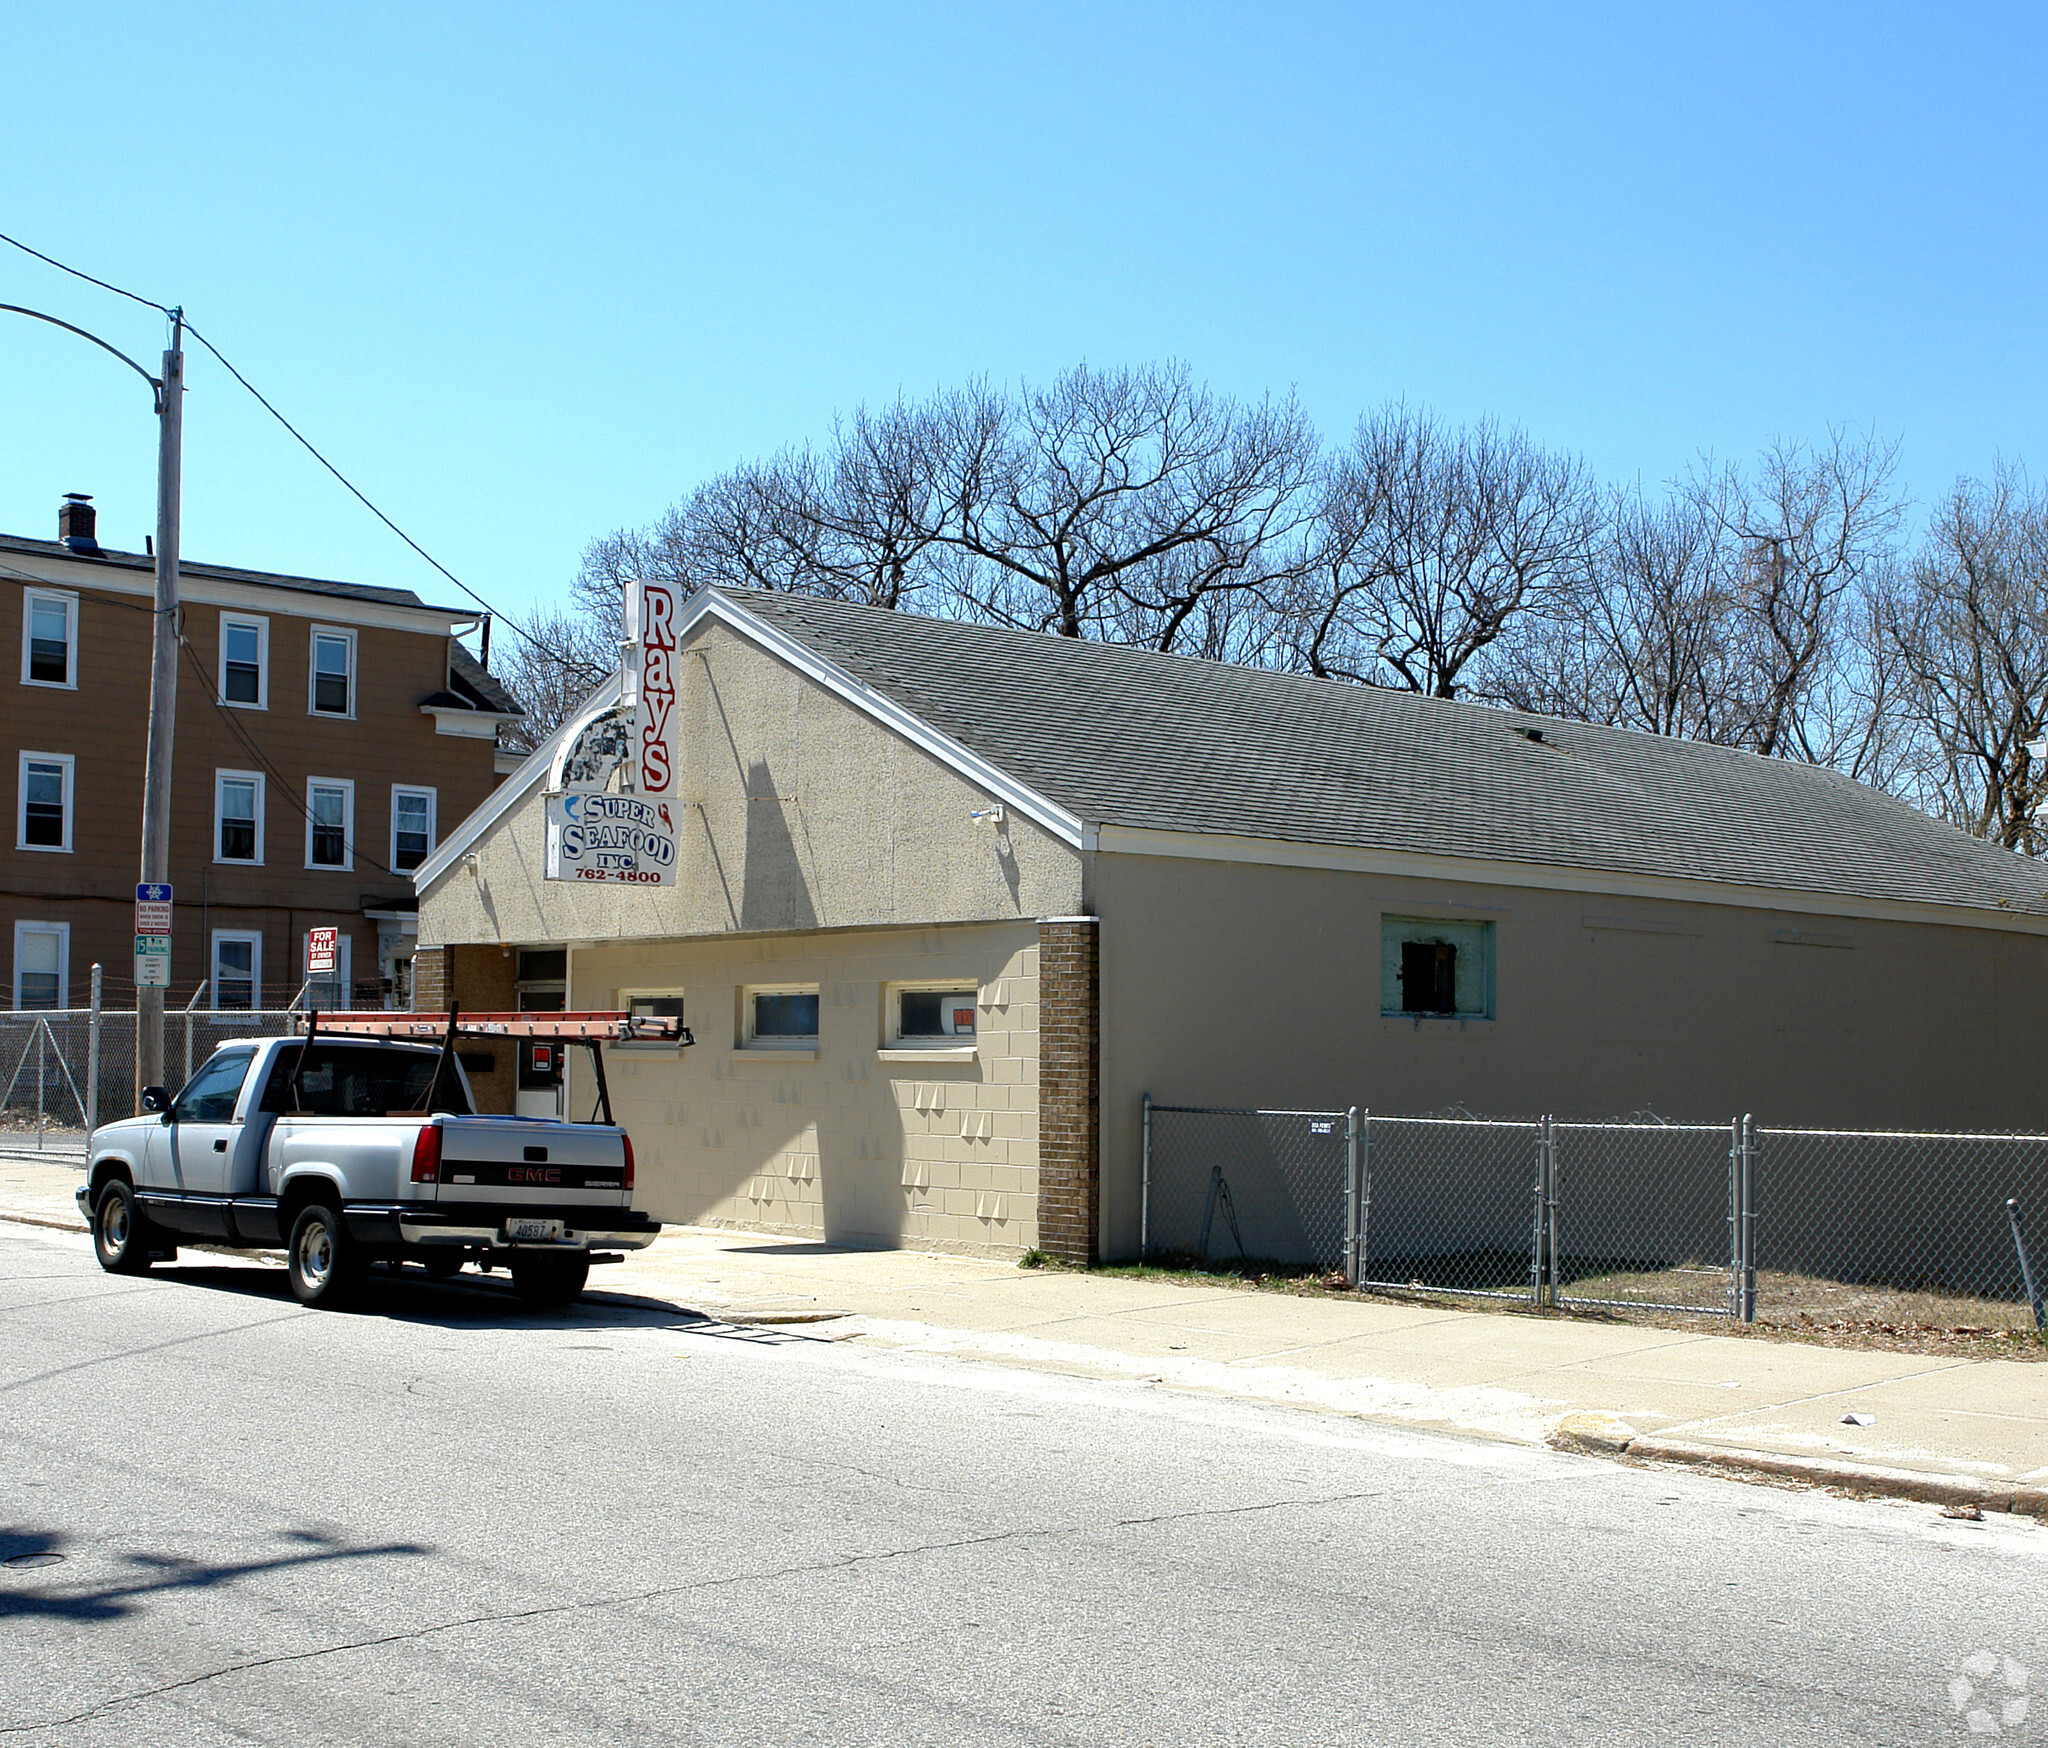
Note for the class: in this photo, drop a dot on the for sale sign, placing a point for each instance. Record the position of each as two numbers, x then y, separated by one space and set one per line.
651 688
321 952
623 839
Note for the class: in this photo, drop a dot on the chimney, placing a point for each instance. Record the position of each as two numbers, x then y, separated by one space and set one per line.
76 519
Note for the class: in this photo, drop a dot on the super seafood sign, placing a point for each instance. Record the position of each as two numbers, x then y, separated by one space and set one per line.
615 838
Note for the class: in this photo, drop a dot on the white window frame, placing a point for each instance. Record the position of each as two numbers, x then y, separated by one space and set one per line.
260 624
63 933
1395 928
254 937
347 786
624 1000
433 821
69 602
220 777
784 1046
348 636
945 1047
70 763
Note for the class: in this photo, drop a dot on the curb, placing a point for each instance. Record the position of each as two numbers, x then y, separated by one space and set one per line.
1603 1435
59 1225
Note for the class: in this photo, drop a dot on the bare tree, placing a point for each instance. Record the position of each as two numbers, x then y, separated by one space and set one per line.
1969 624
563 655
1119 504
1431 545
1808 531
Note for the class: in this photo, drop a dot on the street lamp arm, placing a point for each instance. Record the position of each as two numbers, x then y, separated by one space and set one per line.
155 385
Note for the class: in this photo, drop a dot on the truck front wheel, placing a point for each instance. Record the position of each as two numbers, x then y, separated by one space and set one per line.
120 1234
549 1281
321 1258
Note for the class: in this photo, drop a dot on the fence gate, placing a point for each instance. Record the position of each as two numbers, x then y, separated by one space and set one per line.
1451 1205
1643 1216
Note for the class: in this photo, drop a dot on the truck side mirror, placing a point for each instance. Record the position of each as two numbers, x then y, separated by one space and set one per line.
157 1099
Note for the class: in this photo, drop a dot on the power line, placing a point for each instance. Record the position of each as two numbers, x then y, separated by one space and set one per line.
306 443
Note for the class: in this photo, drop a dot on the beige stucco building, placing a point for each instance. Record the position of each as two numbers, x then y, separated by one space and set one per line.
952 899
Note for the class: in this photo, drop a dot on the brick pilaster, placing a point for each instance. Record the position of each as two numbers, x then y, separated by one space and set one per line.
430 980
1069 1059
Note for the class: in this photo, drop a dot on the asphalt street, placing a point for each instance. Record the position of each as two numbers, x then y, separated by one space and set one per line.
440 1519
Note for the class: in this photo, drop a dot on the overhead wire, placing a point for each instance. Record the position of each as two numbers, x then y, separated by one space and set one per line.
307 444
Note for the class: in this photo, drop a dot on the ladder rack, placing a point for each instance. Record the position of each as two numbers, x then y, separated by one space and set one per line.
591 1030
598 1027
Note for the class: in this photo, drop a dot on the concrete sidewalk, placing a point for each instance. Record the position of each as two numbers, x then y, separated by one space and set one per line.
1958 1431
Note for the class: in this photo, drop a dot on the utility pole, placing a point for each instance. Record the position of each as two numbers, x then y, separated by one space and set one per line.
163 686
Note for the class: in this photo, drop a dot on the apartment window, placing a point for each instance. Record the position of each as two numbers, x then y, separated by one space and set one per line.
935 1014
334 672
245 662
42 964
237 969
45 791
412 828
1431 966
330 822
779 1017
238 817
49 639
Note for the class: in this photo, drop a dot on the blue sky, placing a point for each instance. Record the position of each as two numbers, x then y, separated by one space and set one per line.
528 273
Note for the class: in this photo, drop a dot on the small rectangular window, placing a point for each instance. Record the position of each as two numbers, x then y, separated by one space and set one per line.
42 964
412 828
330 802
334 668
244 662
780 1017
237 969
924 1014
44 822
238 817
1431 966
49 638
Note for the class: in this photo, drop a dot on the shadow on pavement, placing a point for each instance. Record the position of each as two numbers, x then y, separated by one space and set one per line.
469 1301
36 1573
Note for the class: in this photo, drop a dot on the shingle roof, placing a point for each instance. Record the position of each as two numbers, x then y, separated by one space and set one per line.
229 574
476 685
1131 737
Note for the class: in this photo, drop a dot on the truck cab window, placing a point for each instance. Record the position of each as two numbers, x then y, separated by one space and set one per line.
354 1080
209 1097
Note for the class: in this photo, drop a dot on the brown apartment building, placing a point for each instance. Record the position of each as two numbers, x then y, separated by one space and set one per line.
327 734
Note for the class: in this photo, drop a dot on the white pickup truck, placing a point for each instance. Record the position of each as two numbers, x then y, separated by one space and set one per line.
353 1150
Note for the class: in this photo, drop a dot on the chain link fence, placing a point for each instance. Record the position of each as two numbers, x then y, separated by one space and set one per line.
1638 1215
1251 1186
47 1062
1448 1204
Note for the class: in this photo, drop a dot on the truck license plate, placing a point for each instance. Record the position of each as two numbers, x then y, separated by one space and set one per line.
533 1231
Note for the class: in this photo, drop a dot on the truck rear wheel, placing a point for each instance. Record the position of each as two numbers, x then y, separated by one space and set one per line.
321 1259
549 1281
120 1232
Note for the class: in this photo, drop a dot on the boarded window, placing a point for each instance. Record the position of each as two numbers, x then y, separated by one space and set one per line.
1432 966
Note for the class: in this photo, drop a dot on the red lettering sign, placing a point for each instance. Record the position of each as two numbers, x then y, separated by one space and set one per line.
657 688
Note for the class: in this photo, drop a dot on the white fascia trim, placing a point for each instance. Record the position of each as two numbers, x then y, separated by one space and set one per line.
1342 858
706 603
531 774
279 598
469 724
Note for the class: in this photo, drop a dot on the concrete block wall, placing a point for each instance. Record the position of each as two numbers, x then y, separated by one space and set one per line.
857 1142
